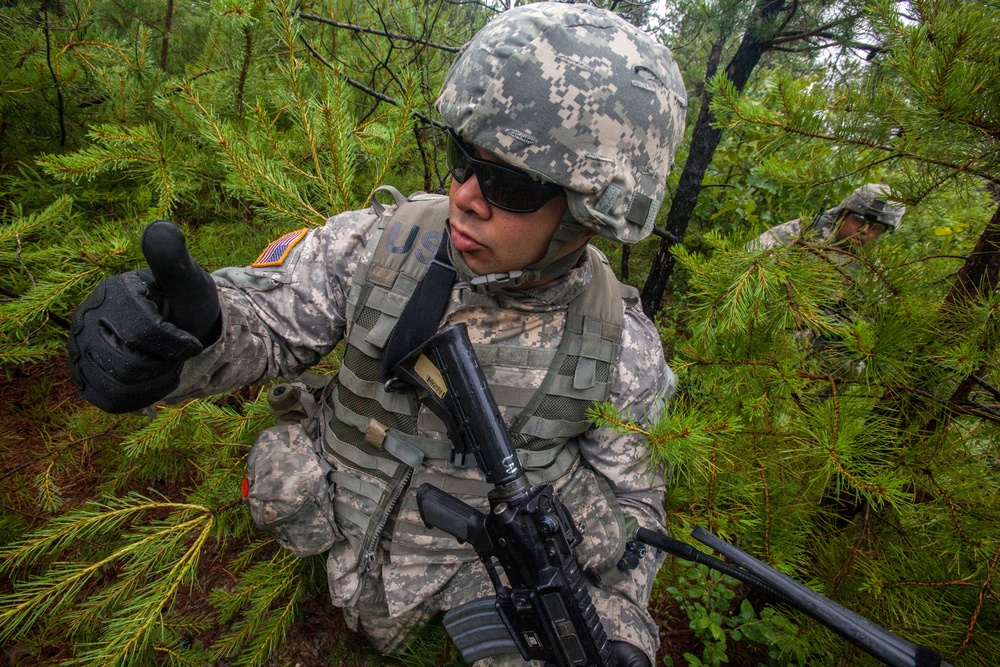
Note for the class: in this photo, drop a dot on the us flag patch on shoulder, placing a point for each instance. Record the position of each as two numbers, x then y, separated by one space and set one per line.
277 251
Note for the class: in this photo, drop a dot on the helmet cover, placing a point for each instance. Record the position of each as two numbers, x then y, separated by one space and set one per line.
577 96
873 202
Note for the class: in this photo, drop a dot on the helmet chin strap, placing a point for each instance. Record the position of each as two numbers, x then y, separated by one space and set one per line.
547 268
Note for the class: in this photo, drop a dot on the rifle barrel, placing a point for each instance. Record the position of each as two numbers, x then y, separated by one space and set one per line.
874 639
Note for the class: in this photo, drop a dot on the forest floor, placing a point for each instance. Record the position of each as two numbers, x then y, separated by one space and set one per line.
320 639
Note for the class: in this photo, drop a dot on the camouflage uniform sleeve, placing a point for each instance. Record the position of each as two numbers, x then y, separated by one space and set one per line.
776 236
280 320
642 385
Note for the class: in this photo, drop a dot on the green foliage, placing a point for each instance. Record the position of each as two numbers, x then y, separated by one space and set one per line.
814 421
108 575
782 638
221 114
682 441
707 598
837 432
430 647
263 606
864 389
153 561
254 126
928 109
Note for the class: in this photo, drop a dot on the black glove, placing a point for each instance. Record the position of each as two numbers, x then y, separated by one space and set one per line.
129 339
628 655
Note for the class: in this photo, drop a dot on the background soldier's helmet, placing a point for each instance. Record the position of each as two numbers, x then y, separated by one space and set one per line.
873 202
577 96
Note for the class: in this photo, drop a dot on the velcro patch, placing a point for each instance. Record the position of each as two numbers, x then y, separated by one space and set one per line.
277 251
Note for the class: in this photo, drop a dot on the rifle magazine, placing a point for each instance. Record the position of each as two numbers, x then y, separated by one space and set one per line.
478 631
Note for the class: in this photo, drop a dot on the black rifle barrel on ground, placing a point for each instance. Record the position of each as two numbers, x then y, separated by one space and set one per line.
872 638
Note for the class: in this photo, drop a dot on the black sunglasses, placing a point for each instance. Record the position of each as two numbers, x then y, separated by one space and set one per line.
871 219
505 187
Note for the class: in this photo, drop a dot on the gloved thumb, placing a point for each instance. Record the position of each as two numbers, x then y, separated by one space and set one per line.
192 301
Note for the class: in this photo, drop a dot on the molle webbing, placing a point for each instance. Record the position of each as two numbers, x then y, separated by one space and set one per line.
581 371
373 470
360 398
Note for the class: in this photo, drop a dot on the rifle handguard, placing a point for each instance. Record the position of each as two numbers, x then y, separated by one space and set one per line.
448 379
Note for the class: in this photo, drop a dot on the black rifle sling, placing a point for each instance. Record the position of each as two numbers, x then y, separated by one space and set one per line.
421 315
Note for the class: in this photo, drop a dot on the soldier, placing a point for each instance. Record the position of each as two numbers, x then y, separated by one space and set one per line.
563 122
861 218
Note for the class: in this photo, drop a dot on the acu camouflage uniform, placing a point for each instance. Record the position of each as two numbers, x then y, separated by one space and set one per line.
822 230
872 202
280 320
620 100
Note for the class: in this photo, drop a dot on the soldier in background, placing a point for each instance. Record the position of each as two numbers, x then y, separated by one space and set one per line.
563 121
865 215
862 217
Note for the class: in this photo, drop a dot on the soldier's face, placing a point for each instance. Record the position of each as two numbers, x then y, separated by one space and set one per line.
858 231
492 240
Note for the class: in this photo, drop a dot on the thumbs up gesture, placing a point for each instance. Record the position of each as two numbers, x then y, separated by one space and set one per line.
129 339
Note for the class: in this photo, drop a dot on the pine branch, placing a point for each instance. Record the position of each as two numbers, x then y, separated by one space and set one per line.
983 592
369 91
131 630
56 452
260 179
675 440
951 505
47 594
380 33
728 94
139 150
391 139
267 601
159 433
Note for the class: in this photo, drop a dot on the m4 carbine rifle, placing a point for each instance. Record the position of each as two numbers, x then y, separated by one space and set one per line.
542 600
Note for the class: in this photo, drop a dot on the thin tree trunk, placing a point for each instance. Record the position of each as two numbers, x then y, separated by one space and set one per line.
979 275
419 134
55 79
245 69
704 141
977 279
165 45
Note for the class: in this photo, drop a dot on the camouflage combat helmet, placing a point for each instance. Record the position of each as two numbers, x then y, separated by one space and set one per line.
873 202
577 96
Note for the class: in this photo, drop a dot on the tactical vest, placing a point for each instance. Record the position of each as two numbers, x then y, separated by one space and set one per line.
371 435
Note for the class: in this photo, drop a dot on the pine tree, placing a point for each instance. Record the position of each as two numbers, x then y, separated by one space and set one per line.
764 27
839 407
245 115
237 114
